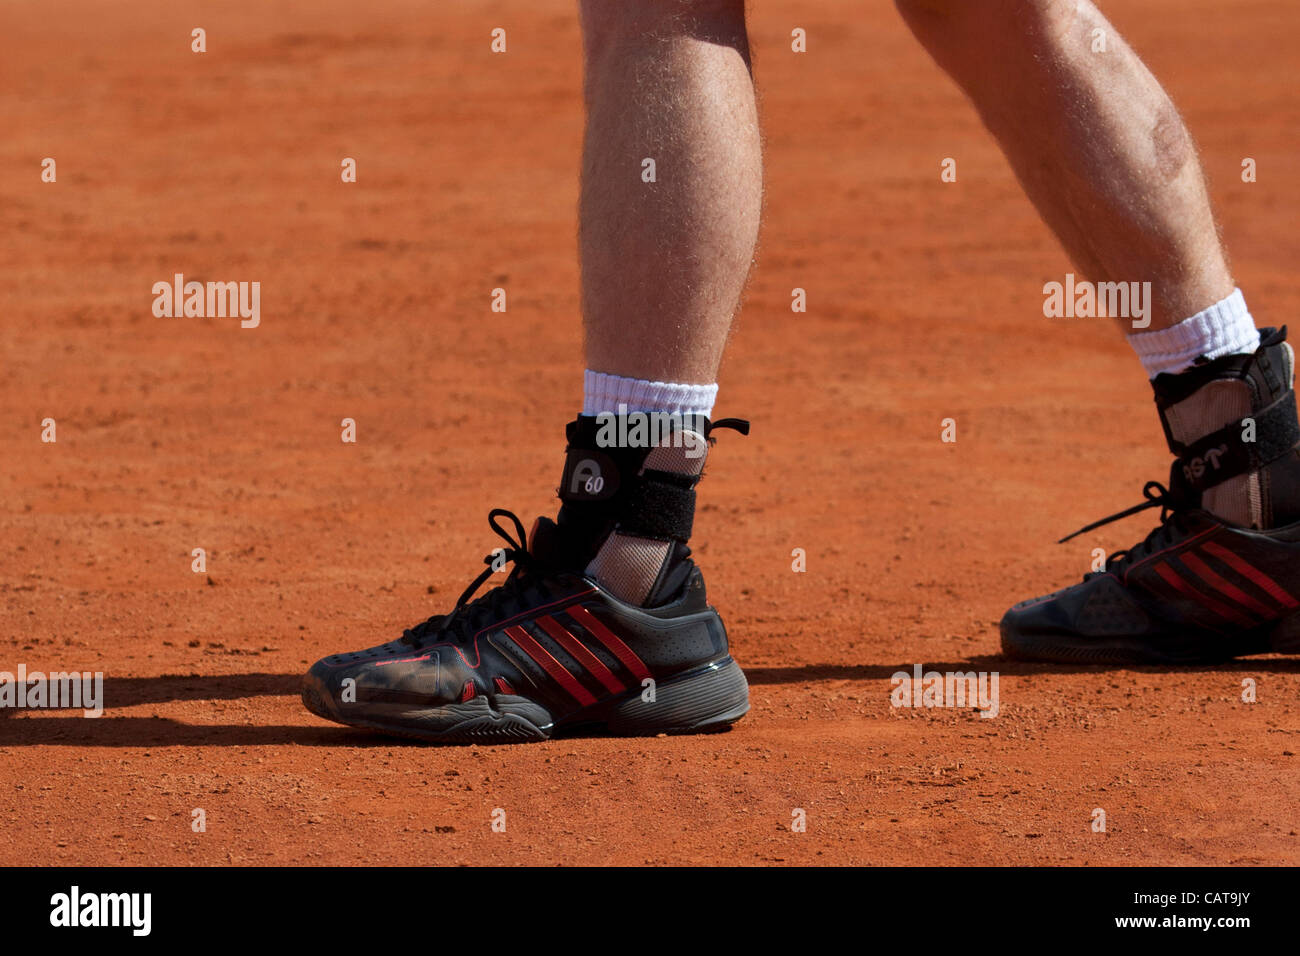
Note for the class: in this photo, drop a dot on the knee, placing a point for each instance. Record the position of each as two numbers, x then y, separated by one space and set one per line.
609 24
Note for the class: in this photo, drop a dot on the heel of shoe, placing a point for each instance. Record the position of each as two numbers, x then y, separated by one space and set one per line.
1285 636
710 696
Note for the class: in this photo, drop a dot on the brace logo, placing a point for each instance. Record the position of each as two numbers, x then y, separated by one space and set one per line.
589 476
587 473
1196 467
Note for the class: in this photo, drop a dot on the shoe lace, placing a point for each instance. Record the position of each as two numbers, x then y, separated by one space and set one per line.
491 604
1173 508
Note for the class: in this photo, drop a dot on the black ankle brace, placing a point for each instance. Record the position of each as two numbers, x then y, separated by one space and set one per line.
1268 434
606 485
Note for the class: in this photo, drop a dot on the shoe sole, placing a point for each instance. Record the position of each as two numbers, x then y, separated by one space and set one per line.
710 697
1281 637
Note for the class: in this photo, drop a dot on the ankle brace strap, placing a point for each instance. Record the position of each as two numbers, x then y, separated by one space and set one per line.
1259 439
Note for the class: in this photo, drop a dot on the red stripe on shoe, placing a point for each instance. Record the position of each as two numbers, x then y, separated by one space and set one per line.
1176 580
580 652
1243 567
611 641
503 685
542 657
1225 587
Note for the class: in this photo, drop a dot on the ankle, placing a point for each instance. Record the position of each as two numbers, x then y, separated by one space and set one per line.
628 493
1232 424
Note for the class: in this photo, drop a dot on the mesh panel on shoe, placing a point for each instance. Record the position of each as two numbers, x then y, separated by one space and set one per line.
1109 611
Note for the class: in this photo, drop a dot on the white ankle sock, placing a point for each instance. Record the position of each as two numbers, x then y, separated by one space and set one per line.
604 393
1225 328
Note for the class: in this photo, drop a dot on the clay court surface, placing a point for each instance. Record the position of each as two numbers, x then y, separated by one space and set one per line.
924 303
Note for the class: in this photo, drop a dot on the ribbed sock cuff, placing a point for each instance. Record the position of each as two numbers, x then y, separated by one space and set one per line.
1225 328
603 393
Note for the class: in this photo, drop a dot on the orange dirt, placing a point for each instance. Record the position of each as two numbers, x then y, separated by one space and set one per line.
924 303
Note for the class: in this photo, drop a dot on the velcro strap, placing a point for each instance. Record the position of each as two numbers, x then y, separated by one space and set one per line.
652 504
660 505
1230 452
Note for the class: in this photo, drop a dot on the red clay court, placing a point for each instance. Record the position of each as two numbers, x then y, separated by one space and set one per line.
181 433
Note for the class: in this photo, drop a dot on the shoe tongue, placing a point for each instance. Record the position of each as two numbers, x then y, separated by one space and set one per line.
546 543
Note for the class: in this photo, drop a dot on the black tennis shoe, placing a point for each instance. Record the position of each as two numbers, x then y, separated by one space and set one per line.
546 651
